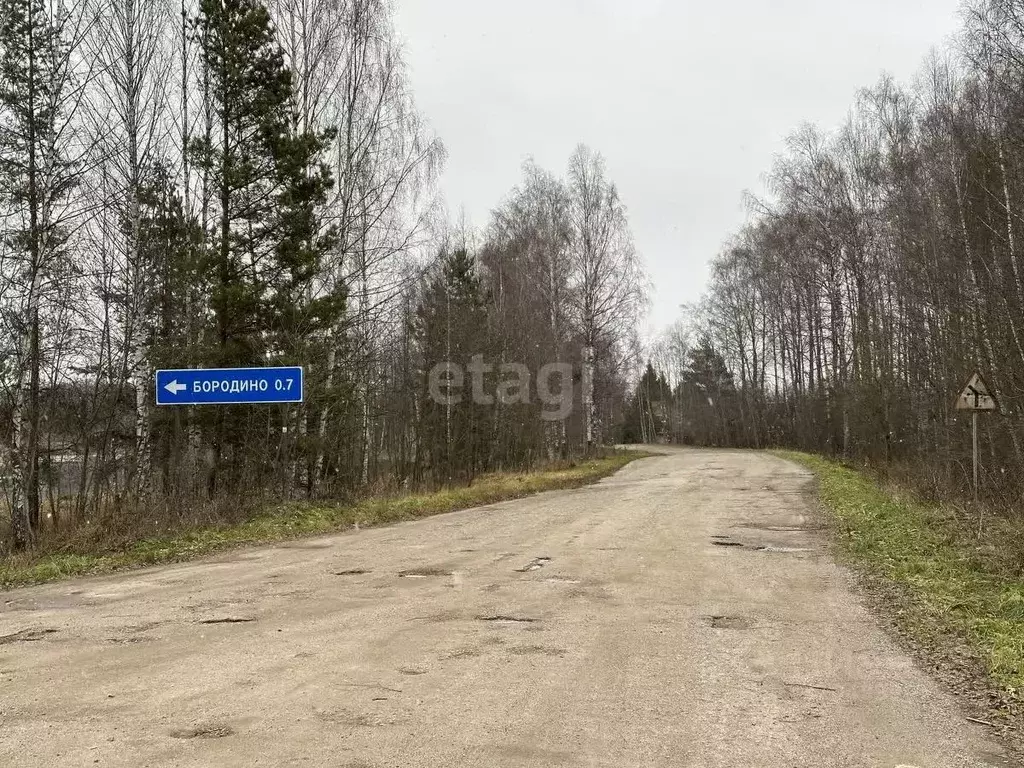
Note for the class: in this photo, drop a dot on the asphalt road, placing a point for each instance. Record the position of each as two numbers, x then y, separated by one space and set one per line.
636 622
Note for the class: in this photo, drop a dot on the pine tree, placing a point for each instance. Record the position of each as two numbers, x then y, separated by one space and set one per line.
264 253
266 179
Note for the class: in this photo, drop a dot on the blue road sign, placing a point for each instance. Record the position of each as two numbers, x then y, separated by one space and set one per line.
228 386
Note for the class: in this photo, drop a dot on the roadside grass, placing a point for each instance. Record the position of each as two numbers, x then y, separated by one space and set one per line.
303 519
954 591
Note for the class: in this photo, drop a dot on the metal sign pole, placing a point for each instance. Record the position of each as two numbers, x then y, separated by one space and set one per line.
976 397
974 414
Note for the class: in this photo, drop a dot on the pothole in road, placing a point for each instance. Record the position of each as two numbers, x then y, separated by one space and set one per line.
536 650
722 541
129 640
462 653
728 622
423 573
211 731
26 636
228 620
504 619
538 562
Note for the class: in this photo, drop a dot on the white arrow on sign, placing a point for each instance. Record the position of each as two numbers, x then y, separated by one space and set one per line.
174 387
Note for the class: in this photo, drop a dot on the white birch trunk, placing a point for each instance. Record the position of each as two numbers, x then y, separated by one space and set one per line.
19 512
589 416
318 473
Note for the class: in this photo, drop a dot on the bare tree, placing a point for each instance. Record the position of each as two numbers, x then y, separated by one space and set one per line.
606 291
131 46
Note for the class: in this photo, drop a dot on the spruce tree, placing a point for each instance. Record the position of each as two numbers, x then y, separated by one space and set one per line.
709 394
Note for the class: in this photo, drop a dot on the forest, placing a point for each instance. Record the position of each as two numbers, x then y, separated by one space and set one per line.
878 271
230 183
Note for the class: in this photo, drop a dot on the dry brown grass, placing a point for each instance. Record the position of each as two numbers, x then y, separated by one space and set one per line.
101 547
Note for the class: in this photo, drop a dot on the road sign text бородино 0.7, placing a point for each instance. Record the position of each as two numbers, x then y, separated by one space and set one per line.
229 386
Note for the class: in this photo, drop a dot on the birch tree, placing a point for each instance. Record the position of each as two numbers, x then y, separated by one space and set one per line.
128 114
607 283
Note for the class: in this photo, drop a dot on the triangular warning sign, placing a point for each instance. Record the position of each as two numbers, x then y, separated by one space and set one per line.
976 396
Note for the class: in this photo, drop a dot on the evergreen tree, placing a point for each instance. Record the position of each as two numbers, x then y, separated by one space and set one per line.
709 397
268 186
168 240
264 254
452 327
646 418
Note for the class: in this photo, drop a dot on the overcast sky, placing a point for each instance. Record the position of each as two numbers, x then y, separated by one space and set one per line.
688 101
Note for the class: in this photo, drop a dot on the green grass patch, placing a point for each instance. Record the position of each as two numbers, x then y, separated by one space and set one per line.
948 586
297 520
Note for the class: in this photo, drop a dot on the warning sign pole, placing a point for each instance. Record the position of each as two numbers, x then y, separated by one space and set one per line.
976 397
